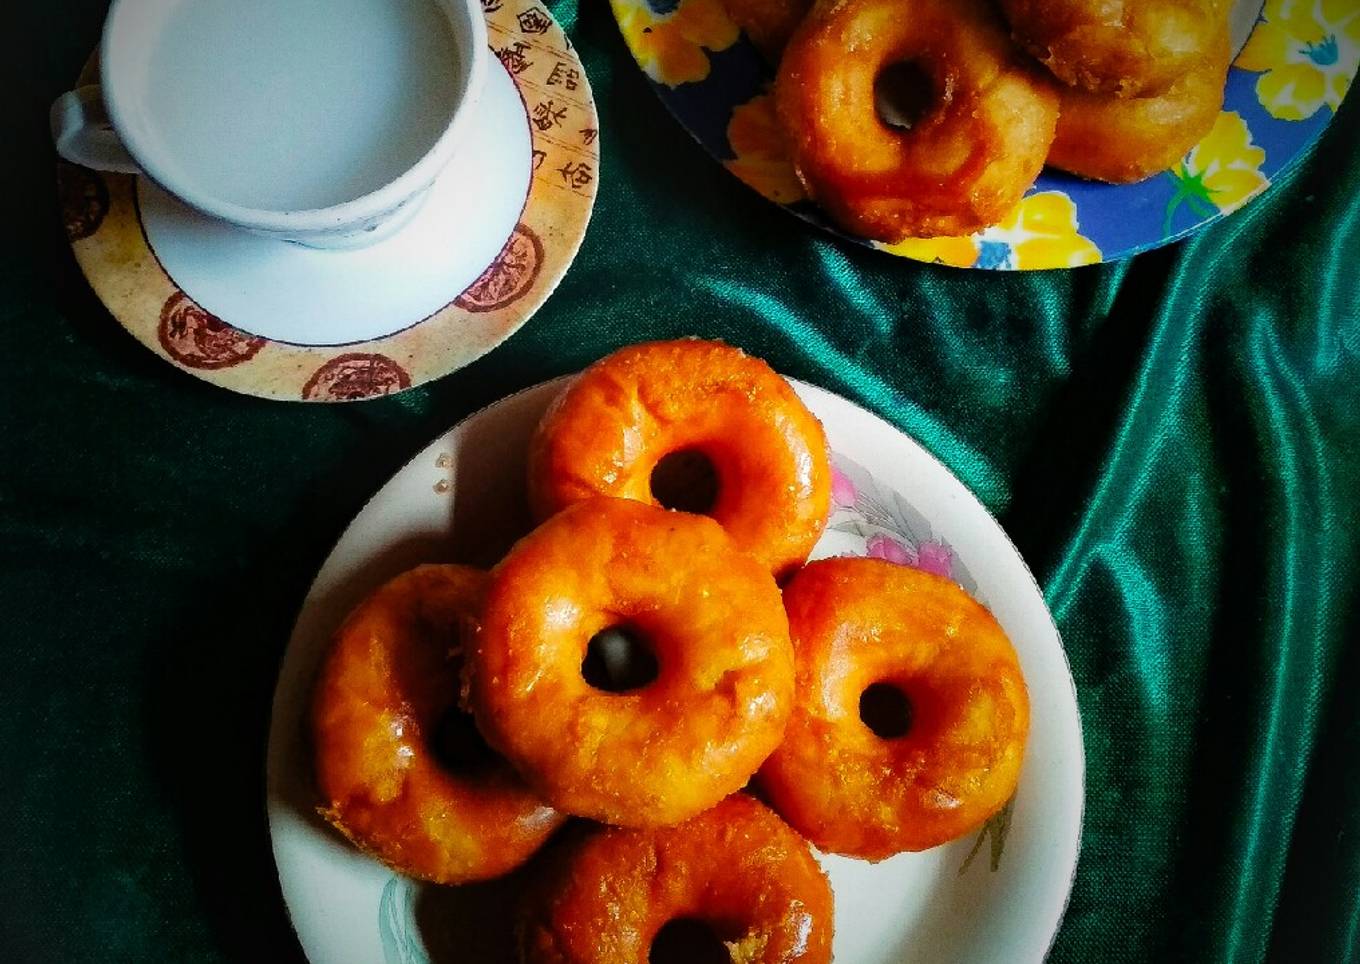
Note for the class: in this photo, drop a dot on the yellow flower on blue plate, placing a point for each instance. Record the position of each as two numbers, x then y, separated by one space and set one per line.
1307 52
1222 172
961 252
762 160
671 46
1042 232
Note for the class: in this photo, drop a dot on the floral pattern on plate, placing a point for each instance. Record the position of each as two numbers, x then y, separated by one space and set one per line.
397 928
870 518
1222 173
669 40
1307 52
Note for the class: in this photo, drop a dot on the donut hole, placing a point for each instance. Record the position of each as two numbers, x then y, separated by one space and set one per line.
619 659
688 940
458 745
885 710
903 93
686 480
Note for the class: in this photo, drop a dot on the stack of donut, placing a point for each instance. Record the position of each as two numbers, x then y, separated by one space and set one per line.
460 717
1113 90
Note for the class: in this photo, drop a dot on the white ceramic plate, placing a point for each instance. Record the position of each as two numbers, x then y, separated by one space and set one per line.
997 896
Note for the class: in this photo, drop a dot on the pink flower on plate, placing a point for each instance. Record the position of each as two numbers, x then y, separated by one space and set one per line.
880 546
843 492
933 557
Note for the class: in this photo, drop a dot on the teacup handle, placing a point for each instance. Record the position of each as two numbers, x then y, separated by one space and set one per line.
83 134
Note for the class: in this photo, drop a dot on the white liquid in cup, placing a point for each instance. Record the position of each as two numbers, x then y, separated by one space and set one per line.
288 105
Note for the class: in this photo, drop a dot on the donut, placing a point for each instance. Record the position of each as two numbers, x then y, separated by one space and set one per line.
1122 140
911 711
1123 48
392 773
709 615
976 146
768 24
644 407
743 884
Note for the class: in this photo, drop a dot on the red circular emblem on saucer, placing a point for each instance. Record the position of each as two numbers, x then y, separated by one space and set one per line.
508 277
348 378
198 339
84 200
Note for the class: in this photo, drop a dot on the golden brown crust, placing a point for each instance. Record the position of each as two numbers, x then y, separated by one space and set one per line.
768 23
963 165
1125 140
656 755
737 867
391 674
1121 48
857 622
605 434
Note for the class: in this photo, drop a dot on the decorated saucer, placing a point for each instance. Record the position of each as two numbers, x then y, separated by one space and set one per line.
268 318
1296 61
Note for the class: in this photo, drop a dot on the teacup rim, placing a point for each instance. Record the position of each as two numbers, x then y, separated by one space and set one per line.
470 36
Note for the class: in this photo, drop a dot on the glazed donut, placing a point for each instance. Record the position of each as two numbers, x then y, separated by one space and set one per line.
1129 139
711 616
737 871
966 160
379 712
768 24
1123 48
943 760
607 433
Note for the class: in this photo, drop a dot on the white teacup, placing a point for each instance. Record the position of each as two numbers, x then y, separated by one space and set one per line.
322 122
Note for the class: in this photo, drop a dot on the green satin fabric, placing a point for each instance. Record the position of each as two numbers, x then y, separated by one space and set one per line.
1173 443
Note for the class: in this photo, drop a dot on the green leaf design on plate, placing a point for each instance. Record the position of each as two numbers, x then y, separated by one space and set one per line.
997 828
853 527
401 942
1190 191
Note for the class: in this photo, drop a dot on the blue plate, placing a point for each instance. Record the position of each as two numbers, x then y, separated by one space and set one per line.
1296 61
